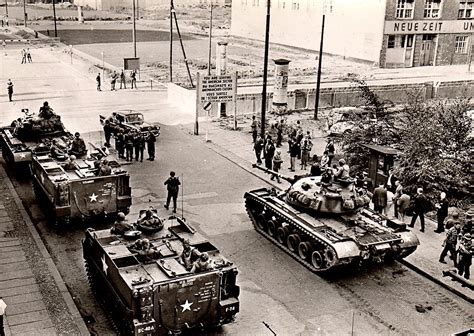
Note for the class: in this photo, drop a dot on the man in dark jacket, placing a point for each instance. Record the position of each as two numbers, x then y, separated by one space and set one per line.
139 145
269 152
258 146
420 208
108 130
150 142
380 198
172 185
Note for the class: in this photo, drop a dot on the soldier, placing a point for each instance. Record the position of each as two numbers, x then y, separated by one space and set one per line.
269 152
28 55
129 146
315 167
254 127
10 89
58 151
133 77
23 56
70 164
97 79
150 218
465 251
121 225
202 264
78 146
188 255
150 142
172 185
113 80
139 144
105 169
108 131
451 240
45 111
120 144
122 80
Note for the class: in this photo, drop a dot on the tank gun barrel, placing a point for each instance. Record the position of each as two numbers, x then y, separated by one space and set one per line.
269 171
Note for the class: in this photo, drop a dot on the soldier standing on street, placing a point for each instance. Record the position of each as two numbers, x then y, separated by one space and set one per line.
3 307
139 144
133 77
150 142
108 130
172 185
120 143
97 79
10 89
113 80
129 146
122 80
254 127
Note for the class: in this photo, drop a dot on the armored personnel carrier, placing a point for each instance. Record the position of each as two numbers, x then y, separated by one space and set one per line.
325 224
77 190
18 139
150 283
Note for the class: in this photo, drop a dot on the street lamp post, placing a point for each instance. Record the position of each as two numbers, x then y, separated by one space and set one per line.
24 12
134 31
210 43
54 15
265 71
320 61
6 8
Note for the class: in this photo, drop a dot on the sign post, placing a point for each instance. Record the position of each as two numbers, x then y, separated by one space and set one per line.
198 101
234 100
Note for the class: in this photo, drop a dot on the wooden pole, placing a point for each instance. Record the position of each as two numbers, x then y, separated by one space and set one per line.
265 71
134 32
24 12
198 101
54 15
210 43
182 48
320 61
171 40
235 100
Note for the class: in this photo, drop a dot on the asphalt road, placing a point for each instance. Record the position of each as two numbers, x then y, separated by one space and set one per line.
275 289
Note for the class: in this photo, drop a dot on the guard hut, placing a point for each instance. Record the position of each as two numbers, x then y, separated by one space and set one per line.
381 160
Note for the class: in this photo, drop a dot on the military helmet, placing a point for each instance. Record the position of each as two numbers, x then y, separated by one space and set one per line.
120 215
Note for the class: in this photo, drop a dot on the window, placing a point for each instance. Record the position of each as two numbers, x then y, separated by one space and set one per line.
465 9
295 5
432 9
406 41
405 9
461 45
391 42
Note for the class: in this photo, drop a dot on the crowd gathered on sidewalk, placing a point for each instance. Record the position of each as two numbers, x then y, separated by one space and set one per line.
389 198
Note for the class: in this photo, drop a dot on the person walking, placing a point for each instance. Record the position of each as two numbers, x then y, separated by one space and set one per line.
450 242
254 127
305 152
269 153
420 208
330 151
398 193
402 205
172 185
97 79
3 308
442 212
391 180
465 251
258 147
10 89
23 56
122 80
113 80
133 77
380 198
108 131
139 144
279 127
277 161
294 150
28 55
150 142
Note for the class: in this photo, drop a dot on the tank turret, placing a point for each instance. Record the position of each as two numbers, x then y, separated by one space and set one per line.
325 223
32 126
322 194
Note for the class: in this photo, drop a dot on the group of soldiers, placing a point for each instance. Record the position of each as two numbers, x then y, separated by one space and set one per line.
129 143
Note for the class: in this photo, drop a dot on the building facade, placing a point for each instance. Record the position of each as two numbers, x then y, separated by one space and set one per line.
390 33
147 4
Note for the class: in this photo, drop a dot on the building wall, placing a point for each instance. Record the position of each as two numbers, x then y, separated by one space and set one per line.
354 28
108 4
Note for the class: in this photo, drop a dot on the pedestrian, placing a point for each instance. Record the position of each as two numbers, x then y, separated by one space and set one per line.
139 144
277 161
122 80
391 179
113 80
279 127
129 146
120 143
10 89
294 150
442 212
396 197
133 77
108 131
330 151
150 142
305 152
451 240
23 56
315 167
402 205
465 251
97 79
420 207
325 160
254 127
28 55
3 308
258 147
172 185
269 153
6 20
299 139
380 198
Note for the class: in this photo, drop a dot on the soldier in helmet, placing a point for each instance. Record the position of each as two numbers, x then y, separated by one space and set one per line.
57 151
150 219
45 111
202 264
121 225
104 168
188 255
78 146
70 164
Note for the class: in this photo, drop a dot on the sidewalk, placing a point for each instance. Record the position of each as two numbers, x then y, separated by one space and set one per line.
237 147
37 298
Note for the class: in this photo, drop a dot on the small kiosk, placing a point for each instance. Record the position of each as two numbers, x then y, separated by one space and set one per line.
380 162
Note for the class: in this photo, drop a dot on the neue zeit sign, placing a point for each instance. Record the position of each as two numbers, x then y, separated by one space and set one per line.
429 27
217 89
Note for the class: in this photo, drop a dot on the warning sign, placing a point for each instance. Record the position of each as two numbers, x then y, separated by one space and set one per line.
217 89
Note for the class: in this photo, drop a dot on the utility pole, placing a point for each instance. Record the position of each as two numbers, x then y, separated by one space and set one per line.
210 43
138 15
265 71
134 31
320 61
6 8
54 15
171 40
24 12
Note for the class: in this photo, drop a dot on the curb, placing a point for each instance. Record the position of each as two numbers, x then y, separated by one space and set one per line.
76 316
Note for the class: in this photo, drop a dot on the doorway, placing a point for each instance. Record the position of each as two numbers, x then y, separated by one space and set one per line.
427 49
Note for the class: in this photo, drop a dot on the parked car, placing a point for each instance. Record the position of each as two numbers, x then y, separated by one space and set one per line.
132 120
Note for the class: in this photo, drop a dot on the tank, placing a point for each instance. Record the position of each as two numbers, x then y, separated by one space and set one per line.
76 192
151 291
327 224
27 132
